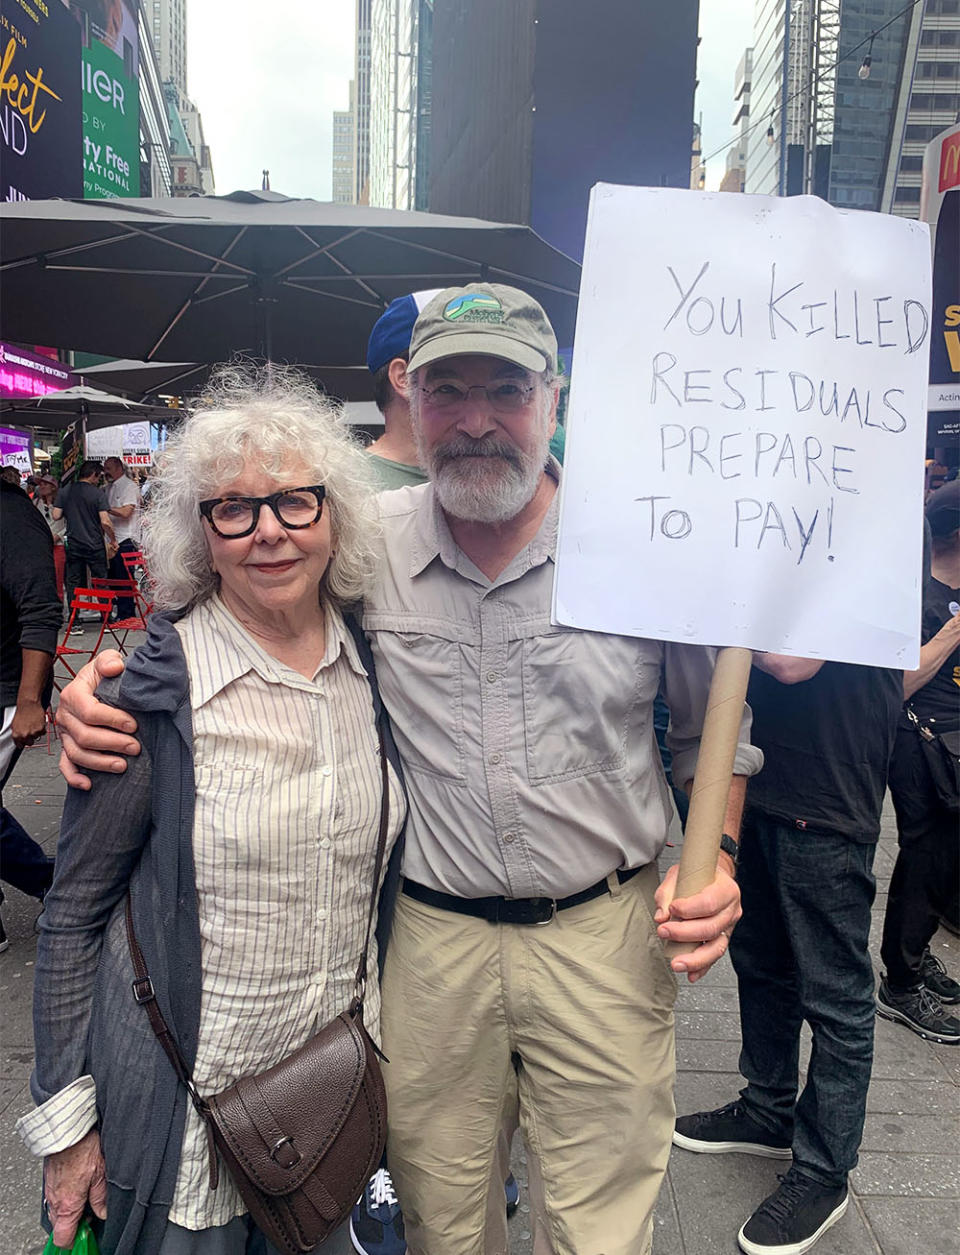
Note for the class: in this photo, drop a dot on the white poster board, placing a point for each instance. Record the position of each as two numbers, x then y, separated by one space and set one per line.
746 435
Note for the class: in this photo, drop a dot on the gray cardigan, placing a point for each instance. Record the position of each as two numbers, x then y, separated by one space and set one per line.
134 832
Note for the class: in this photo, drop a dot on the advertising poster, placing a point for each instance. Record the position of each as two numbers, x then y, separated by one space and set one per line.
40 107
940 207
747 426
24 374
16 449
111 98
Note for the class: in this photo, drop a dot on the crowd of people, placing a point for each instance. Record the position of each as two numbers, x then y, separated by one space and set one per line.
313 639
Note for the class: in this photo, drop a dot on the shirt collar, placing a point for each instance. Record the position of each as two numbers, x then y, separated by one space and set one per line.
235 652
432 538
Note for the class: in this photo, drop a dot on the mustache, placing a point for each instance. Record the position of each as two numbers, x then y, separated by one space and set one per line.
463 446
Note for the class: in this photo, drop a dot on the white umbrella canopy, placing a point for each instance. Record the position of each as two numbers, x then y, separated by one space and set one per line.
145 379
199 279
96 407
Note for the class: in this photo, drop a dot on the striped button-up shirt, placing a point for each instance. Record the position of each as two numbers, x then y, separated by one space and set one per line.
287 813
528 749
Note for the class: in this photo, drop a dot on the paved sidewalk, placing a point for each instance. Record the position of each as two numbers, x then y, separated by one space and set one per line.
905 1190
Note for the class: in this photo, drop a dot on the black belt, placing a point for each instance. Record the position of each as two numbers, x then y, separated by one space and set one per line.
511 910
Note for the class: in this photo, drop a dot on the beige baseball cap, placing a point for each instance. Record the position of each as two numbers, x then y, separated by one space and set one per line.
487 318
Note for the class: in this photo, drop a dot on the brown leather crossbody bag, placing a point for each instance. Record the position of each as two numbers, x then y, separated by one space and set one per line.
301 1139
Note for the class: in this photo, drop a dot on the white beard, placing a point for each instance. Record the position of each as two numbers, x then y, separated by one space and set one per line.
485 481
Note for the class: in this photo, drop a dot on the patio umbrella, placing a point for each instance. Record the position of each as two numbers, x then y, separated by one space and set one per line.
144 379
97 408
201 278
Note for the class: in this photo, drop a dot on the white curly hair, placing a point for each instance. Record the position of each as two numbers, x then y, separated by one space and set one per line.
269 419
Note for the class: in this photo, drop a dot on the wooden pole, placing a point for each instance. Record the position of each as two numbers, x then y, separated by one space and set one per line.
711 783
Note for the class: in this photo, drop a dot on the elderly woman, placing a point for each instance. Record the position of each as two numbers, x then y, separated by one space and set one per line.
244 834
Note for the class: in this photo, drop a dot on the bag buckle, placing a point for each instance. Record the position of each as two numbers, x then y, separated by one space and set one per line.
291 1154
143 990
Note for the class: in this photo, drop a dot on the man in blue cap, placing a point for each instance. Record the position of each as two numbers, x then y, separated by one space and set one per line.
394 454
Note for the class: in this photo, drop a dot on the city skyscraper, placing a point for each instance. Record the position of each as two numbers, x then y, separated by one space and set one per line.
344 149
361 126
844 98
169 30
394 27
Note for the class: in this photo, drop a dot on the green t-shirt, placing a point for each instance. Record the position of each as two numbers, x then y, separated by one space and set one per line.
397 474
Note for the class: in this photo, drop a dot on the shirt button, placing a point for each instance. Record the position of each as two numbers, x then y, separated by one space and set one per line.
327 771
494 758
324 843
509 838
492 677
322 914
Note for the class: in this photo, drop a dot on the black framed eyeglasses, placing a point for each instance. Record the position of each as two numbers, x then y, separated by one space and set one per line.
506 397
233 517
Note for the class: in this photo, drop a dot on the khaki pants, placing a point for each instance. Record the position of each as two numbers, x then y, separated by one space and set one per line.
573 1021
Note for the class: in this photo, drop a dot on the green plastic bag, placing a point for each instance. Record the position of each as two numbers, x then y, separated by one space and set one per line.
83 1244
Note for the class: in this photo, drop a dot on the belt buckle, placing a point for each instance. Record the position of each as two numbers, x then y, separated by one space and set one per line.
542 923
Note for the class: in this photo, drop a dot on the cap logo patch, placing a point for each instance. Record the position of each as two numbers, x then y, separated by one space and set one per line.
474 307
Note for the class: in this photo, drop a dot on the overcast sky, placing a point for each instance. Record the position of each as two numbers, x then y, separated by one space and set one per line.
268 79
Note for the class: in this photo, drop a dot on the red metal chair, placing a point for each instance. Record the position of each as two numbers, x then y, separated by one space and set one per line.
136 568
98 601
122 590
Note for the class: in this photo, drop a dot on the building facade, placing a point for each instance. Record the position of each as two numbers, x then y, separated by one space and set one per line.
735 174
155 170
534 101
927 101
844 98
361 132
344 148
169 32
394 27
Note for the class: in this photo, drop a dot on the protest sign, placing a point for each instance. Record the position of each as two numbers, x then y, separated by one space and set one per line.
746 431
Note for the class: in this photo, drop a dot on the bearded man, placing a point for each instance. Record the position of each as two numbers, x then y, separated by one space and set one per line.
525 963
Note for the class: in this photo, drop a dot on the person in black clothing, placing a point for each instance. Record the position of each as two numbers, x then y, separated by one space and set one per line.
84 505
800 950
916 989
29 619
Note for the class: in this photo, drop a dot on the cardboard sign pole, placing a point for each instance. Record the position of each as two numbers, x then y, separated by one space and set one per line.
711 783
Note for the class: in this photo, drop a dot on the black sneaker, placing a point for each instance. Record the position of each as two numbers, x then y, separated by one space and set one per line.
921 1011
729 1129
794 1217
937 981
4 944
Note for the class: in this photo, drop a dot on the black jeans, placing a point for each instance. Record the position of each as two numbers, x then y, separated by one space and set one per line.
77 561
126 606
800 953
924 883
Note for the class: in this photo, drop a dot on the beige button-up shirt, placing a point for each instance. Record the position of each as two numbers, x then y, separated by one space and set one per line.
531 764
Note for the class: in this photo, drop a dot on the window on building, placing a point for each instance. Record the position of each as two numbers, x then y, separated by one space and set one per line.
911 163
907 195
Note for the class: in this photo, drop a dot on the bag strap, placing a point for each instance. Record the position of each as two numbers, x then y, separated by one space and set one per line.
360 983
145 995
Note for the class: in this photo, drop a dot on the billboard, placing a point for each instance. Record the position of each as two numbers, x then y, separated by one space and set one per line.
111 98
40 104
24 374
940 207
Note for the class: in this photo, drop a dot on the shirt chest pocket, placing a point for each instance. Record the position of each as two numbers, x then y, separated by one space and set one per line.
580 690
421 676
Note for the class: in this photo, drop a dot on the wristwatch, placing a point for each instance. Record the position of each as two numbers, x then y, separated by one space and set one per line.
729 846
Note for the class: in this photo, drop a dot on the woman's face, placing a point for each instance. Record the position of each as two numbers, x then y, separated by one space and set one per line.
273 570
